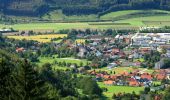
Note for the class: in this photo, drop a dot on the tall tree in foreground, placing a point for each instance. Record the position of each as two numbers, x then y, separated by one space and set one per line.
5 74
27 83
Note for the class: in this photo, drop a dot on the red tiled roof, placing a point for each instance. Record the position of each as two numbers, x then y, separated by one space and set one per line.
131 79
109 82
133 83
106 76
147 76
19 49
161 76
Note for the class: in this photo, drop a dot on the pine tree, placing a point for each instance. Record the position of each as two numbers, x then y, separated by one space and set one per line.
4 78
7 64
27 83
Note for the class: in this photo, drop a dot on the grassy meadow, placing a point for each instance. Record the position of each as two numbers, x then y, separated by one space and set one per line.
67 60
39 38
128 19
59 16
60 26
117 89
121 70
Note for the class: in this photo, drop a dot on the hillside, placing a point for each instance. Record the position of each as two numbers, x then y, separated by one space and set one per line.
77 7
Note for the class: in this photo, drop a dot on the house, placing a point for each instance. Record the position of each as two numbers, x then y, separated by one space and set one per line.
20 50
134 83
98 53
115 50
109 82
111 65
113 77
127 39
146 76
106 77
159 65
160 76
82 52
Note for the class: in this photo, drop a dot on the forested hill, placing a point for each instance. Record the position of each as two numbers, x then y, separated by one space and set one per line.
77 7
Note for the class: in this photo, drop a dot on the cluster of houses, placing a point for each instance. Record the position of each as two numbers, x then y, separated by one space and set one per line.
146 42
152 40
135 78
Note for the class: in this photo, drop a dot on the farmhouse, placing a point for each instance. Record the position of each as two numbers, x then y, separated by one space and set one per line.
20 49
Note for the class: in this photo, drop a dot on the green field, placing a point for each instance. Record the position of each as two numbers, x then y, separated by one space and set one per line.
149 21
122 70
118 89
112 15
59 16
60 26
67 60
129 19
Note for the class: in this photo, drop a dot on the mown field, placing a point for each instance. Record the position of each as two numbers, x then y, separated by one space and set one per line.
39 38
67 60
121 70
59 16
128 19
60 26
117 89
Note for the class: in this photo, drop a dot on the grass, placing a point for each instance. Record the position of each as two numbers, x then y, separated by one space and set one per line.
112 15
117 89
128 19
157 82
141 60
139 17
118 70
121 70
60 26
67 60
59 16
141 21
40 38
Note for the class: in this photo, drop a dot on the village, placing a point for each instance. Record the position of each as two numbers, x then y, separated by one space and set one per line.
126 59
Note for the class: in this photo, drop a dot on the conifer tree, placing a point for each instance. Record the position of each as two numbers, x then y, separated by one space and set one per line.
27 83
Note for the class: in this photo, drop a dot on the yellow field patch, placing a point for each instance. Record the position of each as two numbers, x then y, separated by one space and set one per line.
80 41
40 38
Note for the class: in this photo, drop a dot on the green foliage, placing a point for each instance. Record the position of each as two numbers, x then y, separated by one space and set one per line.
78 7
27 83
61 82
151 59
166 63
89 86
6 69
167 94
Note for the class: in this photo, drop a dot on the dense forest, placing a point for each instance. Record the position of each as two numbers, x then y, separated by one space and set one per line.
77 7
23 80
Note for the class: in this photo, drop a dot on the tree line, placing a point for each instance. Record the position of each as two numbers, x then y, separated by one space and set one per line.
78 7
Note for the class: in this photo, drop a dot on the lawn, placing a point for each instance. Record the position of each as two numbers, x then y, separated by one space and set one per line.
121 70
118 89
141 21
139 17
67 60
40 38
157 82
59 16
128 19
112 15
141 59
60 26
